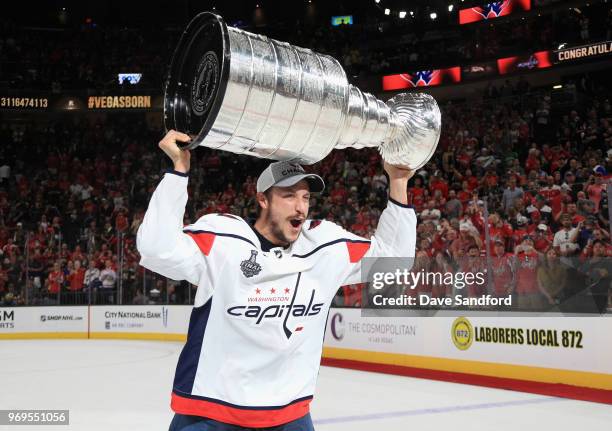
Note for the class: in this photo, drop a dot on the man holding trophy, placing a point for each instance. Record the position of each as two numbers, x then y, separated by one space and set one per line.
256 331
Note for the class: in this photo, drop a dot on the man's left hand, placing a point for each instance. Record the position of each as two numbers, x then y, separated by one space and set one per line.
398 182
398 172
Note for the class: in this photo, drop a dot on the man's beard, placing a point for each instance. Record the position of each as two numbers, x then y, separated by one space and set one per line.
278 233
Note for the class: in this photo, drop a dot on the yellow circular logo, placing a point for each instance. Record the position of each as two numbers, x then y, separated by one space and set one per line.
462 333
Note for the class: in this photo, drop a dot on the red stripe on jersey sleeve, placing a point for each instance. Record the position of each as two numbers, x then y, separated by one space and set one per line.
204 240
249 418
356 250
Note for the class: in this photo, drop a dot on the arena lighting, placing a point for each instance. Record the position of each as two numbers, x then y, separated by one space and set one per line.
451 7
402 14
412 13
557 87
433 15
387 11
376 1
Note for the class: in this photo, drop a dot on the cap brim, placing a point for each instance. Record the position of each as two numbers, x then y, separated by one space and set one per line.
315 182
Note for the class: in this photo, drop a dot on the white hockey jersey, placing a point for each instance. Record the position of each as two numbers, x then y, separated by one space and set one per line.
256 330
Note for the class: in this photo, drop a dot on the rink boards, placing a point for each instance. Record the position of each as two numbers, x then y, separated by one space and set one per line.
143 322
551 349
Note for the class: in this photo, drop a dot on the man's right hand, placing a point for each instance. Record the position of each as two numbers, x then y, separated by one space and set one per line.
180 158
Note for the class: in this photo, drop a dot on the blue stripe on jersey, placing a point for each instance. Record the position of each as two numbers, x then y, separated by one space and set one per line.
327 244
230 235
190 355
310 253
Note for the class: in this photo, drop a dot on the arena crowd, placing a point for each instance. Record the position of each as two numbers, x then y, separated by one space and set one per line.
517 185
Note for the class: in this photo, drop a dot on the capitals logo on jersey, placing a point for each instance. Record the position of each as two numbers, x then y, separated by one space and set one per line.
277 310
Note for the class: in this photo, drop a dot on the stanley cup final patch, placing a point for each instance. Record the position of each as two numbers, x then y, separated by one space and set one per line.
250 267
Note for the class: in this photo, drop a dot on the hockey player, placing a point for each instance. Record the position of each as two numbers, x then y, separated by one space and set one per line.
256 330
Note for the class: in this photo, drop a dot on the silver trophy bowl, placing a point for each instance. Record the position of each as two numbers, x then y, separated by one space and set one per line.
241 92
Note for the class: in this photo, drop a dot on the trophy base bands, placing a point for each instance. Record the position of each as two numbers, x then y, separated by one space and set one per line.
34 417
428 301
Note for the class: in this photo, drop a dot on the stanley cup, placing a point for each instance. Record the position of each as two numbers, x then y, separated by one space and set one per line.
245 93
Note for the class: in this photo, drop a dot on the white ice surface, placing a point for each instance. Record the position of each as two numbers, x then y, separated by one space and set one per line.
125 385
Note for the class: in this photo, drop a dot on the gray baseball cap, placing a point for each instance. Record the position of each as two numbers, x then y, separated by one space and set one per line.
286 174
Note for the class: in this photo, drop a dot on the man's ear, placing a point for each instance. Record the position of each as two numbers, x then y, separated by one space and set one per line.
262 200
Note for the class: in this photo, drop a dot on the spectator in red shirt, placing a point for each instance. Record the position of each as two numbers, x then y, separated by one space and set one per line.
542 239
438 183
572 211
77 254
55 279
551 189
503 271
64 253
473 263
10 249
471 180
596 187
103 255
339 194
228 195
533 162
76 277
499 231
121 221
416 192
464 194
360 228
529 296
249 187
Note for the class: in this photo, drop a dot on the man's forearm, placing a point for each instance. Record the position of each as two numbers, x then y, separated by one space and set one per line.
398 190
162 225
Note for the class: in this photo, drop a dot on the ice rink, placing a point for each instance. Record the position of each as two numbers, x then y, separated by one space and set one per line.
125 385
